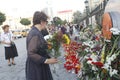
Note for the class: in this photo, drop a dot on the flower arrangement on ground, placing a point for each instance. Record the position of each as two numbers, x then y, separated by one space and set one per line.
72 60
101 59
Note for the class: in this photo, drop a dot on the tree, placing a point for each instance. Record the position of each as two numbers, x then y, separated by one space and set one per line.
25 21
64 22
2 18
57 21
77 17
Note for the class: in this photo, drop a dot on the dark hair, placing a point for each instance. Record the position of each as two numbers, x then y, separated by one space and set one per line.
38 17
5 26
44 32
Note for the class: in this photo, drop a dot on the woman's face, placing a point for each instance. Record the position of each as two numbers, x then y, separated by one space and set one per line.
6 29
43 24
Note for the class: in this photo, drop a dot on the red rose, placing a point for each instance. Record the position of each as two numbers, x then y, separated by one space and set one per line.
98 64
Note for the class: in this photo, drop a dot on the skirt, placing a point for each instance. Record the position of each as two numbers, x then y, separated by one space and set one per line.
10 52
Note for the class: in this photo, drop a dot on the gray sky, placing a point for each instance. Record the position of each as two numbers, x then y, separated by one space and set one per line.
25 8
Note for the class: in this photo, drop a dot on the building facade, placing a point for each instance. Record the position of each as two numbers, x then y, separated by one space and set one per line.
49 12
93 4
65 15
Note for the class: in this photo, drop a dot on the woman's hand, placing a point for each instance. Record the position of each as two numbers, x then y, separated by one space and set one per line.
5 43
8 43
51 61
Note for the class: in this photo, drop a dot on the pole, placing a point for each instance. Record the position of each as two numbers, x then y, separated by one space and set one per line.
91 20
90 7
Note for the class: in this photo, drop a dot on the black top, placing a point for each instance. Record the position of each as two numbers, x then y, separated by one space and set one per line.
36 69
63 29
44 32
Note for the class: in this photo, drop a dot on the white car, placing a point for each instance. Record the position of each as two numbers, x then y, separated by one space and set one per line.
16 36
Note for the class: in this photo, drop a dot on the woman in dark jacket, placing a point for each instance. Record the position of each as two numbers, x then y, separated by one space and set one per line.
37 64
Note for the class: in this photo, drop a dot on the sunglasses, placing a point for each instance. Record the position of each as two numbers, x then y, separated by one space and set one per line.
46 21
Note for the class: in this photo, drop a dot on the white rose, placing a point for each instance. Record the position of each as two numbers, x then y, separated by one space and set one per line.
47 37
106 66
115 31
89 62
113 72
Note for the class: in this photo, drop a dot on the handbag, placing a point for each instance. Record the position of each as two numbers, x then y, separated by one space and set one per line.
12 44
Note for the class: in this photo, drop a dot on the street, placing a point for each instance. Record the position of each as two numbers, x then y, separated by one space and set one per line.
17 72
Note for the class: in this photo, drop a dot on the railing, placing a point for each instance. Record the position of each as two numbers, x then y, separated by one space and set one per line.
99 8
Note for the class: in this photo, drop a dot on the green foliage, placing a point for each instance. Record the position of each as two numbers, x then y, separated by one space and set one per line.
2 18
55 41
77 17
88 72
64 22
25 21
115 44
57 21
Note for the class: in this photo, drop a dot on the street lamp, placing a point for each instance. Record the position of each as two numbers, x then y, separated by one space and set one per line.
87 11
86 3
87 7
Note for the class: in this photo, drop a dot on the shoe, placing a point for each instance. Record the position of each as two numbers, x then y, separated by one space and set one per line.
9 64
13 64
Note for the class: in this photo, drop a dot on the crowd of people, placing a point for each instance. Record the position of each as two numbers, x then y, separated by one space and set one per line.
68 28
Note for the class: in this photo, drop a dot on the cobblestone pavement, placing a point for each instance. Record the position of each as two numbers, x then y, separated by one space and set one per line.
17 72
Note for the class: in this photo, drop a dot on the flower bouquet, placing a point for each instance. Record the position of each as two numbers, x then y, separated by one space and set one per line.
54 45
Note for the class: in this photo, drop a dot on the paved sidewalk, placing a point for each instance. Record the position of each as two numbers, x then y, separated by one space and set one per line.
17 72
61 73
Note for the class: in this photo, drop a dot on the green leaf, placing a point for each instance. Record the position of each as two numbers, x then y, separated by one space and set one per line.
2 18
114 45
25 21
116 76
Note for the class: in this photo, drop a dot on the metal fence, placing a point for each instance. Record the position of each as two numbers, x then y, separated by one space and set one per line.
97 12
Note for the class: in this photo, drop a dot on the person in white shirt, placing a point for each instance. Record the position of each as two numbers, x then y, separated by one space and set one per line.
7 39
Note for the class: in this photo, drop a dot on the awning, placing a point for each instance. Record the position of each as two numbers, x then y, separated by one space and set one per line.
115 16
113 6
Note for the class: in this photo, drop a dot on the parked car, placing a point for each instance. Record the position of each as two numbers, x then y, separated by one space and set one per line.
17 34
24 32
